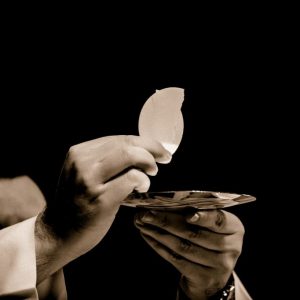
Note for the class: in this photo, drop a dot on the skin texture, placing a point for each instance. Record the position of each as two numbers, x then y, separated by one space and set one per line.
203 246
20 199
96 176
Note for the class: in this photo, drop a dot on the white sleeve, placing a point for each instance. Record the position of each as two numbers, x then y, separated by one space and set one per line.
18 264
240 291
17 260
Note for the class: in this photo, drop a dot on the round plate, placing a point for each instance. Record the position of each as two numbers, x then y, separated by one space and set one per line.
186 199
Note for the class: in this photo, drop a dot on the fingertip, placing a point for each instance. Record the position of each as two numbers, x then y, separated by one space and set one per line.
165 158
144 186
153 171
144 236
157 149
138 223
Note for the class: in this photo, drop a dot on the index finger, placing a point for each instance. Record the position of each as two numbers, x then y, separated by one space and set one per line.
161 154
122 152
216 220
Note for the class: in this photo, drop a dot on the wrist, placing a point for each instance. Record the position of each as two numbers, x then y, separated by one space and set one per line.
50 254
226 293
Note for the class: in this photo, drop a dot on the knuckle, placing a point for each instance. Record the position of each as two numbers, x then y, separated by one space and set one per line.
194 234
222 243
137 217
100 190
235 253
241 229
73 153
84 174
128 139
238 225
126 154
220 219
174 257
225 263
185 246
163 221
133 175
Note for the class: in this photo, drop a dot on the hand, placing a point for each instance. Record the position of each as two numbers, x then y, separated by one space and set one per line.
20 199
203 247
97 175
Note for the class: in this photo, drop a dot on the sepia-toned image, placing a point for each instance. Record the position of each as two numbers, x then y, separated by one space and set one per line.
127 183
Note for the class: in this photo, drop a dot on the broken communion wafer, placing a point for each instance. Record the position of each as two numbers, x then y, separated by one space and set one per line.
161 119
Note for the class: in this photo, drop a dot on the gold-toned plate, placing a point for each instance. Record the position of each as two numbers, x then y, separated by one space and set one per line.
174 200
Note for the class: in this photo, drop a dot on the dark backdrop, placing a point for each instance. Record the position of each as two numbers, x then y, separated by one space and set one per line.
49 105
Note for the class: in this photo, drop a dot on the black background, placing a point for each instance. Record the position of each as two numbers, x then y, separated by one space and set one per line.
50 102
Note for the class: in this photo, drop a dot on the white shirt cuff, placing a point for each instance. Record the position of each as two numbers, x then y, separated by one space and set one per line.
18 260
18 266
240 291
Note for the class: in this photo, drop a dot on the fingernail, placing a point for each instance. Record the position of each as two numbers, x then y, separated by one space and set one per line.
148 217
154 212
195 217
